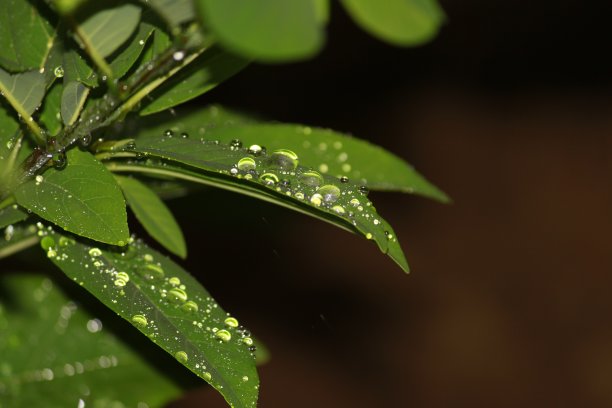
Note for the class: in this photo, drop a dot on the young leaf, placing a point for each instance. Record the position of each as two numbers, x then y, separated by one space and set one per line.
25 35
50 113
206 72
153 214
23 91
326 150
275 177
57 354
108 29
400 22
266 30
83 198
74 96
170 307
121 63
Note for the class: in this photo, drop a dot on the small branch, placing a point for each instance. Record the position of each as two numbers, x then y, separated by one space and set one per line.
18 246
93 54
37 132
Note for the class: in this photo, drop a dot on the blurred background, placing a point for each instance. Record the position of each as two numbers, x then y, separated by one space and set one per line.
509 301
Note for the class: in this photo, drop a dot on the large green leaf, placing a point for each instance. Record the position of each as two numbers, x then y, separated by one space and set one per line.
17 237
77 69
25 35
74 96
325 150
276 177
57 354
153 214
8 132
83 198
23 91
203 74
50 115
127 56
401 22
170 307
266 30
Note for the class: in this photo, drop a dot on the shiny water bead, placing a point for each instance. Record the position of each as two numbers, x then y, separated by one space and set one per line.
59 160
223 335
177 295
283 159
269 179
344 179
58 71
364 190
140 321
330 193
235 144
151 271
184 135
181 357
169 133
256 150
85 141
338 209
246 164
316 199
311 179
231 322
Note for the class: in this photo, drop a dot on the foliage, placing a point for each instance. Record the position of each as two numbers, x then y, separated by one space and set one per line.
77 77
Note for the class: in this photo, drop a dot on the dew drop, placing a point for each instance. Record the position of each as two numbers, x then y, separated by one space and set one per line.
330 193
311 179
223 335
245 378
256 150
140 321
190 306
95 252
85 141
59 160
174 281
368 235
47 243
248 341
283 159
231 322
151 271
58 71
39 179
206 376
184 135
235 144
177 295
338 209
344 179
169 133
316 199
269 179
364 190
246 164
181 357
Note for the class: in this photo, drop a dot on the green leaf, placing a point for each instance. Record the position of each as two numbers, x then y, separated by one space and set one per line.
400 22
23 91
153 214
8 132
322 10
11 215
175 12
126 58
83 198
171 308
275 177
77 69
107 30
266 30
74 96
325 150
55 353
17 238
25 35
203 74
50 115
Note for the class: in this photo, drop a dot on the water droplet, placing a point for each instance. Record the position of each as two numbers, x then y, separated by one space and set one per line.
235 144
59 160
178 55
184 135
256 150
85 141
39 179
174 281
190 306
364 190
94 325
231 322
269 179
330 193
246 164
65 241
151 271
316 199
248 341
323 168
344 179
338 209
95 252
121 279
311 179
283 159
169 133
181 357
177 295
140 321
47 243
223 335
368 236
206 376
245 378
58 71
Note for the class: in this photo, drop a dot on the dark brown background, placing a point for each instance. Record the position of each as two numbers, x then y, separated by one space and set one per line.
508 304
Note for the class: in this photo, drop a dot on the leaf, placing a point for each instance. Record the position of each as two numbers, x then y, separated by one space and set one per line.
153 214
400 22
108 29
11 215
77 69
23 91
322 10
175 12
50 115
266 30
83 198
74 96
275 177
16 238
325 150
203 74
9 128
57 354
171 308
25 35
126 58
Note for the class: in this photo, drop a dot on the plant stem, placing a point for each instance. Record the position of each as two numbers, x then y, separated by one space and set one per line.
6 202
25 116
18 246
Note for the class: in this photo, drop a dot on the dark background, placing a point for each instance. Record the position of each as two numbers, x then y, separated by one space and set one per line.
508 305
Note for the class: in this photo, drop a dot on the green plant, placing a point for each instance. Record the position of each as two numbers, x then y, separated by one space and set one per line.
77 78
